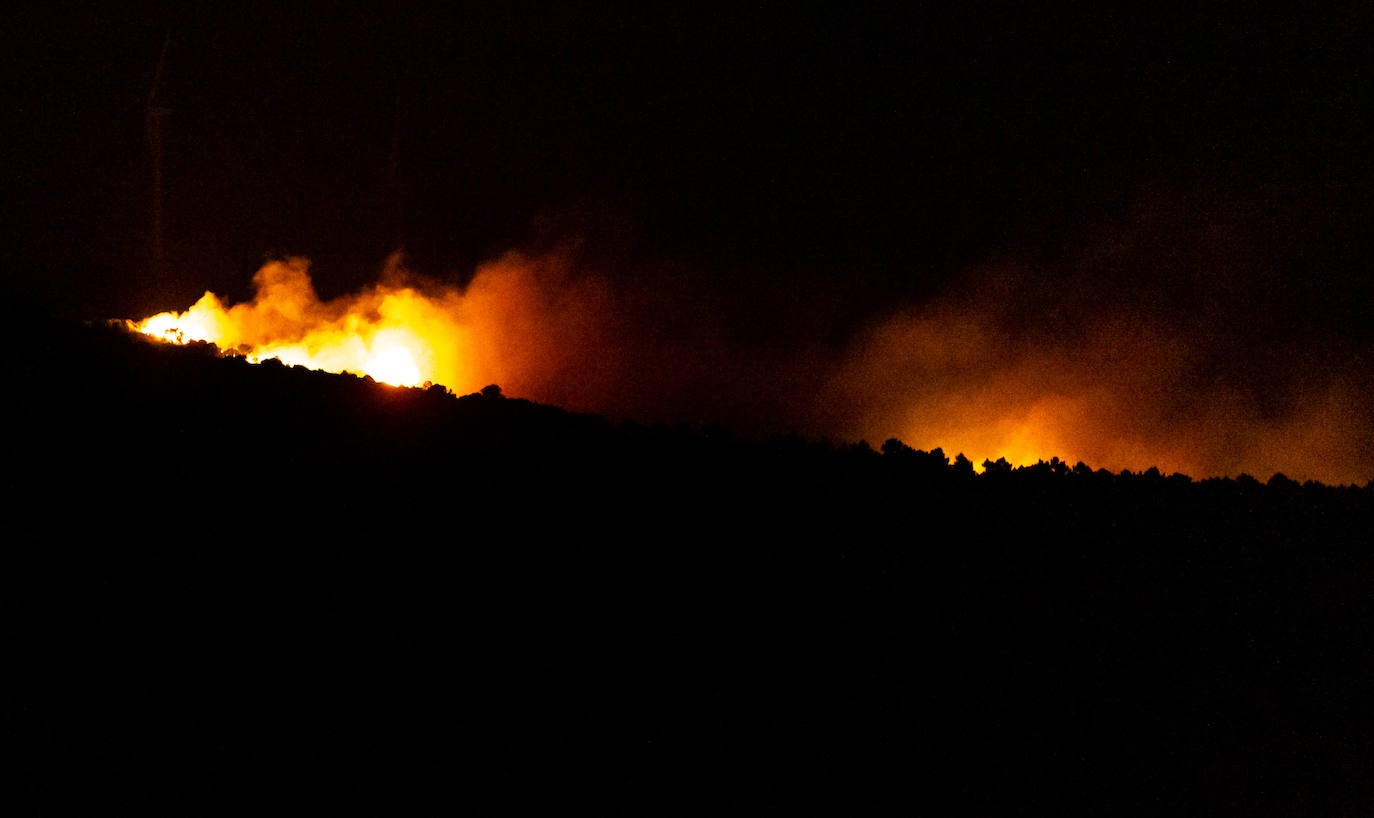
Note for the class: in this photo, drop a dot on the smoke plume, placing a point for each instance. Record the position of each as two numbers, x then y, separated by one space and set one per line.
1166 340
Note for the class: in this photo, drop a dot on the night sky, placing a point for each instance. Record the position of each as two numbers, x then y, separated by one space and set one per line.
1129 237
1203 173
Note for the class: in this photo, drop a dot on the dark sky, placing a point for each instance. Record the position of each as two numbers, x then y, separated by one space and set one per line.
889 149
1159 215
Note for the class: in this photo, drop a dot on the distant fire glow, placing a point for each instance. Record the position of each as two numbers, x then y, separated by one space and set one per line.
965 372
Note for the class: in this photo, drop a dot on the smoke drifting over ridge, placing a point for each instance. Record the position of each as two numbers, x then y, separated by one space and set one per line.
1117 392
1169 340
1173 338
1198 331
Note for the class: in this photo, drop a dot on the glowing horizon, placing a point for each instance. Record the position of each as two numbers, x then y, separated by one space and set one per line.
944 374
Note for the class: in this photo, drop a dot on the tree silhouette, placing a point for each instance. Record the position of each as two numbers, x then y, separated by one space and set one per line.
378 581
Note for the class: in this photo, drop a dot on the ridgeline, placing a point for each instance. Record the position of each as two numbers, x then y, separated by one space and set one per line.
247 589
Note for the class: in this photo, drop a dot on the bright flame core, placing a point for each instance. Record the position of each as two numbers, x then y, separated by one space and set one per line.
393 334
1111 390
392 363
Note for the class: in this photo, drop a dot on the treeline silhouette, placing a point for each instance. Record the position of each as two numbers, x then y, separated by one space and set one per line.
247 589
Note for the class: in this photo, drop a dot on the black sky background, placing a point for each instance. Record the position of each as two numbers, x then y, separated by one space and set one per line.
1156 218
837 161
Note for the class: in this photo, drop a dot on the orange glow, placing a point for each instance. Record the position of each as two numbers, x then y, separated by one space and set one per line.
1111 391
1115 393
392 333
392 362
519 323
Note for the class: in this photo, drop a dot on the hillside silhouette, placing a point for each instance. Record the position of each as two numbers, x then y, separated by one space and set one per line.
247 589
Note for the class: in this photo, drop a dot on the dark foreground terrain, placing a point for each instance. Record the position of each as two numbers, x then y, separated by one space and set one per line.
243 590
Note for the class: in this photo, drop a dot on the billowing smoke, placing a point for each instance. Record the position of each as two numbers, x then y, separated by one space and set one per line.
1112 389
1201 337
1166 341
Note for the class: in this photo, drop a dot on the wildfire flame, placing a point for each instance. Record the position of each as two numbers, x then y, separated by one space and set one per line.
1116 393
393 333
519 322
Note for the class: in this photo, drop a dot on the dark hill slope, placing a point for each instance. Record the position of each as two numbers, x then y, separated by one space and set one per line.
247 589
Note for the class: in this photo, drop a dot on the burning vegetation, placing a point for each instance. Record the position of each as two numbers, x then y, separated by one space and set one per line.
997 366
392 333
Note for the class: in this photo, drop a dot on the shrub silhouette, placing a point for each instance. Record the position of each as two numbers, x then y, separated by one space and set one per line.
259 579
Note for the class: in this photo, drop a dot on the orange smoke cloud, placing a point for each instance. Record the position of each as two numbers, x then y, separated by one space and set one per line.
1123 397
1162 346
947 377
519 322
1096 380
538 325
